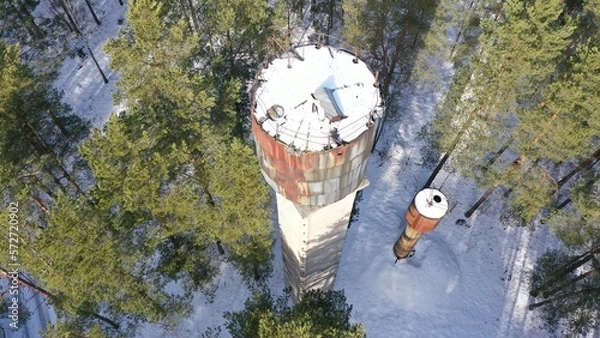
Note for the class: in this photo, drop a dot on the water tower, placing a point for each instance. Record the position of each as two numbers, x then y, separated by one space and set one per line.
316 113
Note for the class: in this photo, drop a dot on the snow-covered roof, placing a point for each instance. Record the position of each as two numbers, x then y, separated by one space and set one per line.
316 98
431 203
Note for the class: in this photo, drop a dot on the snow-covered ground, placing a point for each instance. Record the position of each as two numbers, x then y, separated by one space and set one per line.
30 302
79 79
463 281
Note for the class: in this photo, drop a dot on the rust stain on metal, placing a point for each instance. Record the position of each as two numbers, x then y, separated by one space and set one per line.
293 172
417 225
406 242
419 222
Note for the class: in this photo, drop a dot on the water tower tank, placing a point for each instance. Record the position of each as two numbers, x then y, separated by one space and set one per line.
315 120
316 113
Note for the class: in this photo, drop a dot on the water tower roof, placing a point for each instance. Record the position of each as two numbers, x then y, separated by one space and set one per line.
316 98
431 203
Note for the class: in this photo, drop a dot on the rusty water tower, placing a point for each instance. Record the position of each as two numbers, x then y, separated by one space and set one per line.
423 215
316 113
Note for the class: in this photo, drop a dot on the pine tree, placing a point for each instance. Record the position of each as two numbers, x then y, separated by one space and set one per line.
566 284
525 71
389 34
190 178
74 329
512 67
38 135
319 314
241 216
20 11
562 124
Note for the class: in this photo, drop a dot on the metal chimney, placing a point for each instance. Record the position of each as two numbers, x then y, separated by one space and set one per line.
423 215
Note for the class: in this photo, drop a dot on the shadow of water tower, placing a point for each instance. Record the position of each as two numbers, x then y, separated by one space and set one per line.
316 115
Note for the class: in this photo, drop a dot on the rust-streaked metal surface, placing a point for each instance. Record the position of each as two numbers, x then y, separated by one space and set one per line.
417 225
406 242
419 222
313 178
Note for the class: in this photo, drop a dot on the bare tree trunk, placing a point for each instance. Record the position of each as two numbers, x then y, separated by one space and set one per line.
65 8
490 190
473 6
57 13
571 282
28 20
44 148
104 78
566 295
89 6
24 282
187 18
104 319
497 14
194 16
568 200
39 203
567 268
46 294
390 68
499 153
587 163
59 184
330 18
564 203
455 142
480 201
220 248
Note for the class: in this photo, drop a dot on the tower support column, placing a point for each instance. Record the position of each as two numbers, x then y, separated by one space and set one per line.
312 238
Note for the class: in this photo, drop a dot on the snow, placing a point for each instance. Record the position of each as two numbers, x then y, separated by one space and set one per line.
40 312
321 92
431 203
79 78
463 281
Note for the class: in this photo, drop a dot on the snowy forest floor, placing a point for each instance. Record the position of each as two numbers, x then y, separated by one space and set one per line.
463 281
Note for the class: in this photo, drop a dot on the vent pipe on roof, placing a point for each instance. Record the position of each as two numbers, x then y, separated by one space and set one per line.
275 112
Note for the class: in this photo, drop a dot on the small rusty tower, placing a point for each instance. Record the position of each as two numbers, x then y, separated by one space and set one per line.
423 215
316 113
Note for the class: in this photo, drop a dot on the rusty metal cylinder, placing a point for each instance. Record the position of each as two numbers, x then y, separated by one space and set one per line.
423 215
406 242
315 122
